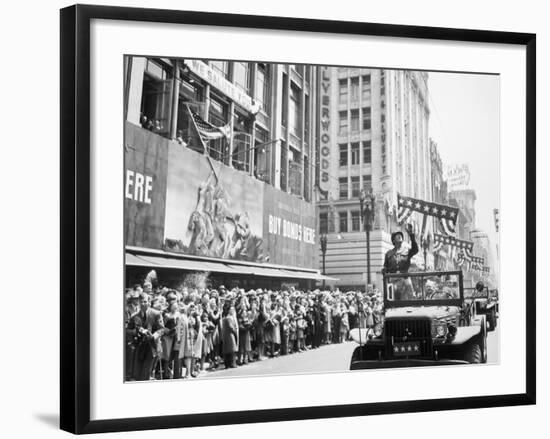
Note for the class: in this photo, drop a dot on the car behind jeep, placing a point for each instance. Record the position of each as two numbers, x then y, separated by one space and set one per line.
425 322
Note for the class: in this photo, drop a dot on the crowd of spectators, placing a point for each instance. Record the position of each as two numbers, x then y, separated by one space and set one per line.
183 333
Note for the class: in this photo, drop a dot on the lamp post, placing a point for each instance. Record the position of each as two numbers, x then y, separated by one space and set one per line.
324 252
366 201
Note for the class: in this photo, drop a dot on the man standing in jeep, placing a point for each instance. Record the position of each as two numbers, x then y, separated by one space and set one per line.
398 259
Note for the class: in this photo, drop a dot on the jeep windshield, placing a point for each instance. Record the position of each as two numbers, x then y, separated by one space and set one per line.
423 288
473 293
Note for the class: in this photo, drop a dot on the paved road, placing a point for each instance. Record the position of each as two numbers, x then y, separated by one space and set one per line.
328 358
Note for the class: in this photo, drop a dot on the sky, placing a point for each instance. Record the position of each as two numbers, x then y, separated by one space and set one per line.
464 122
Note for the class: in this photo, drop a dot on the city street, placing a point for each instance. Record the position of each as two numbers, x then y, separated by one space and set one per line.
328 358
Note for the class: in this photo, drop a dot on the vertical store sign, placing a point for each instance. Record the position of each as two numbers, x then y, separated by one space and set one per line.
325 129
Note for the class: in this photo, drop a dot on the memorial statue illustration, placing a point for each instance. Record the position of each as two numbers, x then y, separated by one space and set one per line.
217 232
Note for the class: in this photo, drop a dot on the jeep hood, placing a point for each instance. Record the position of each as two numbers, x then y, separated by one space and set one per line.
429 312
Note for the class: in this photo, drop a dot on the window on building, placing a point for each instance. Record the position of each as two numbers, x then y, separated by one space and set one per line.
343 154
284 166
365 88
295 110
261 92
355 187
242 137
306 118
367 182
355 153
366 118
354 89
343 216
262 148
343 186
218 115
354 121
241 73
355 221
284 107
343 91
323 222
295 171
222 67
367 152
156 100
343 123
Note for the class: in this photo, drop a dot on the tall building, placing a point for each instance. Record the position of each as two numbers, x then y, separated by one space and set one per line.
372 135
442 258
218 159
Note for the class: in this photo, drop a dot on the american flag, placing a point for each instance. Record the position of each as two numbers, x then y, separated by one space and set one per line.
441 240
206 130
447 215
486 270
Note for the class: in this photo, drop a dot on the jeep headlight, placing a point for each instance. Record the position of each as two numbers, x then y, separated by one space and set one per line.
378 329
439 329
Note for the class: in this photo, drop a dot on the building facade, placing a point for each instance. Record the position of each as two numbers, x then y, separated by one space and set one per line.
218 158
372 136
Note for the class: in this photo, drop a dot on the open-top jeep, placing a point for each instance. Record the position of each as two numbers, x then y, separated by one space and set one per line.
425 322
483 301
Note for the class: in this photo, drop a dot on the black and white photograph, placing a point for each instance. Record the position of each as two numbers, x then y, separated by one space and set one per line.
285 219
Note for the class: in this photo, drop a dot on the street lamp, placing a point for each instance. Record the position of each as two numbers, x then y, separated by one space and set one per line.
366 201
324 252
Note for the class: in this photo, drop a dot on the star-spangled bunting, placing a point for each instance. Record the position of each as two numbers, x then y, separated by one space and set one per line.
460 244
447 215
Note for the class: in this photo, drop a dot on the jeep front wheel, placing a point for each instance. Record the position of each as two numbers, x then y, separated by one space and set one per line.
473 354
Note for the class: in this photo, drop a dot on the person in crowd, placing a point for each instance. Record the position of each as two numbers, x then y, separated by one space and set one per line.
230 337
193 342
260 328
150 327
132 307
344 324
245 327
208 329
168 339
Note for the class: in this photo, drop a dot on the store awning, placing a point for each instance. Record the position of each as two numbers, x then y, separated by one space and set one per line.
175 262
182 264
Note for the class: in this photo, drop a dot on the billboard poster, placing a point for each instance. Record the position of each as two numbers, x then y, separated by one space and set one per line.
458 177
145 163
215 211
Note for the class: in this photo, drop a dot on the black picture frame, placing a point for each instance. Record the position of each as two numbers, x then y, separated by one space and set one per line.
75 217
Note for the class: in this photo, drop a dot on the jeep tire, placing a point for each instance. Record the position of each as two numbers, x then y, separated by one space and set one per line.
474 353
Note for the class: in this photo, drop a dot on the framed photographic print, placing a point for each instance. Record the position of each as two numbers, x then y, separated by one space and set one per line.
259 212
